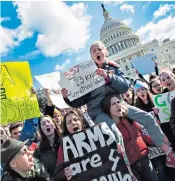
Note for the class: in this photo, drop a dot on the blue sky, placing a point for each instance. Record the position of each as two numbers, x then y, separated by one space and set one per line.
55 36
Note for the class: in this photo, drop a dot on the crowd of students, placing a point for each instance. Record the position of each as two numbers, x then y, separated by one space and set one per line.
31 150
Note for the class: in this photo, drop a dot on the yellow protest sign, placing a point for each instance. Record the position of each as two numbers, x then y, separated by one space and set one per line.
17 101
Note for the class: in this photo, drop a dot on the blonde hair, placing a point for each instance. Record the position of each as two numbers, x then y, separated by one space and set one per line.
102 45
167 72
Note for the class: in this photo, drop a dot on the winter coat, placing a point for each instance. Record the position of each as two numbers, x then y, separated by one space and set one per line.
48 157
145 107
116 83
172 118
49 110
134 140
14 176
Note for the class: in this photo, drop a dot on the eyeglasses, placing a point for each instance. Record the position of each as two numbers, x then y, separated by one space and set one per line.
23 152
157 85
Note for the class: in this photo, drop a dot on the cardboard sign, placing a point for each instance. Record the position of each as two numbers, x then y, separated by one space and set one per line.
17 101
155 152
51 81
144 64
81 79
163 103
92 155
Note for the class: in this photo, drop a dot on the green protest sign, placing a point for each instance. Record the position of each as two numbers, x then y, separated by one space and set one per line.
163 103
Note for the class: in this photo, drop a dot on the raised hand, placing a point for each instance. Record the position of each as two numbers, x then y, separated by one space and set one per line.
102 73
64 92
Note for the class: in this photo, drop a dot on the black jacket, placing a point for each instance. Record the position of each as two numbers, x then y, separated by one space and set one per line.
14 176
48 155
172 118
49 110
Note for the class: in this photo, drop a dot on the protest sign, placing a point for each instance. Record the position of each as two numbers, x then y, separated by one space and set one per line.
155 152
17 101
81 79
163 103
51 81
144 64
92 155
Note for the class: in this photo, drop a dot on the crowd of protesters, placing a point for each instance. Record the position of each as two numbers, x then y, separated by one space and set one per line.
31 150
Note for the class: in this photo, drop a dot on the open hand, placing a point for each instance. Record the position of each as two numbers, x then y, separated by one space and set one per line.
64 92
120 149
68 173
156 110
102 73
46 92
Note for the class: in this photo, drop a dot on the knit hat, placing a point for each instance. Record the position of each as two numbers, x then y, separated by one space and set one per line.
9 150
140 84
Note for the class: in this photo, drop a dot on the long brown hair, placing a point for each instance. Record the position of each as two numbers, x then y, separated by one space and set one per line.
151 85
44 143
133 97
79 116
139 100
106 105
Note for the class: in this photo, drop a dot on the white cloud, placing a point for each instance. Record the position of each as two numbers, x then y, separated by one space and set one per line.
163 9
62 67
29 55
128 21
164 28
127 8
7 42
61 28
78 60
11 38
4 19
115 3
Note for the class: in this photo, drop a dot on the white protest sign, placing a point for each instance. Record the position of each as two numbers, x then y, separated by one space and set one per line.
81 79
144 64
163 103
51 81
155 152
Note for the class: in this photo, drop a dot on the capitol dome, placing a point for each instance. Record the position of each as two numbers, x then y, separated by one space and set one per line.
110 23
115 35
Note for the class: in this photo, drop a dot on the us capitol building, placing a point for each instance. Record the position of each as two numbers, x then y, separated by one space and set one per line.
123 45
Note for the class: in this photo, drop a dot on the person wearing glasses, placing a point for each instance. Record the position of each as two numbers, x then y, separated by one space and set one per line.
155 86
19 163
